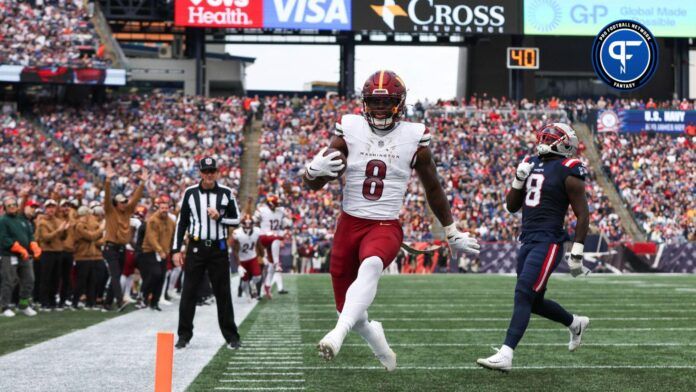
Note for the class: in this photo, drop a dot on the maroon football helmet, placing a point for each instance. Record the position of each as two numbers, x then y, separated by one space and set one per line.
384 98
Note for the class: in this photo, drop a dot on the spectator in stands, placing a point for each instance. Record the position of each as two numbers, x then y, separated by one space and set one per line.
50 34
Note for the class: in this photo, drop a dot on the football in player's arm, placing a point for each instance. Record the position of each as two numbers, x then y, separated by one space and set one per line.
380 149
324 168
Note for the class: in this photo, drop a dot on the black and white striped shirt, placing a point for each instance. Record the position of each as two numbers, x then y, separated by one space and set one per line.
193 216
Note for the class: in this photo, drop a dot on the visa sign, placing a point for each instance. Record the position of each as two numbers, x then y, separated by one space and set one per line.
307 14
219 13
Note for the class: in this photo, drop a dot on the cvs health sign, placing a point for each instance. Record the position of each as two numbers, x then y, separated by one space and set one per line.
219 13
307 14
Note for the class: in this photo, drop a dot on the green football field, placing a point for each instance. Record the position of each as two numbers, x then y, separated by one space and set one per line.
642 337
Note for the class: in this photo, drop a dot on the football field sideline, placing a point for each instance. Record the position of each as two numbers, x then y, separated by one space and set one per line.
117 354
640 337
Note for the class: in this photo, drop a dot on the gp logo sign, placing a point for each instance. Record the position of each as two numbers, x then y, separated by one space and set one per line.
219 13
308 14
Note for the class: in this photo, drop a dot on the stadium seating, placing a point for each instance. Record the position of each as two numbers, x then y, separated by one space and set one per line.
56 33
655 174
461 134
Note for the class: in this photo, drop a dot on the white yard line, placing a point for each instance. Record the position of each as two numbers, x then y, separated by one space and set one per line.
260 388
430 319
529 330
274 344
531 367
120 350
655 344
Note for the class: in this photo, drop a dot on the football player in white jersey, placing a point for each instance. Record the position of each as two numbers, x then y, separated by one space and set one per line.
271 219
247 248
381 152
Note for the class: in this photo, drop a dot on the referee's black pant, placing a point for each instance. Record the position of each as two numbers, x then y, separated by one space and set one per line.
200 258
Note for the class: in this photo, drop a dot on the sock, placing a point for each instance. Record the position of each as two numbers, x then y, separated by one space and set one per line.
360 295
275 251
270 271
129 285
278 279
173 277
366 331
507 351
122 281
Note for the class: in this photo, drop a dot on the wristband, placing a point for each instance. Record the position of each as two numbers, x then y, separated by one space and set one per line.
517 184
307 175
451 230
577 249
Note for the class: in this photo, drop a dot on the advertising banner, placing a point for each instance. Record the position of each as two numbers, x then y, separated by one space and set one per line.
307 14
438 16
665 18
65 75
674 121
219 13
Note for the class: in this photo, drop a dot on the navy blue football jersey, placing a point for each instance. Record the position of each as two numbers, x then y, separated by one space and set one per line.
545 200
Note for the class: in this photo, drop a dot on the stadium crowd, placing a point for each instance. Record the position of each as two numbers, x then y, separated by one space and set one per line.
49 33
656 176
476 146
61 157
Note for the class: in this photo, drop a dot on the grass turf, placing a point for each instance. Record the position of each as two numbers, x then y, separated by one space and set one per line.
640 338
21 331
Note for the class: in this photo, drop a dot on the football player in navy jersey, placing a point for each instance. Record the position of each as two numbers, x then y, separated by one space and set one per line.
543 188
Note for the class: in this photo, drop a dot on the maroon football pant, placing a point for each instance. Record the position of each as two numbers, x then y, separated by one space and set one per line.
355 240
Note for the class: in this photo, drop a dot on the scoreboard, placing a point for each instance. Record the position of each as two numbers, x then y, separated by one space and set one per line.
522 58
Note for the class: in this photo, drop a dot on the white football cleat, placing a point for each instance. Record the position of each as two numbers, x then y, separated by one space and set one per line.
498 361
388 358
577 328
8 313
163 301
28 311
329 346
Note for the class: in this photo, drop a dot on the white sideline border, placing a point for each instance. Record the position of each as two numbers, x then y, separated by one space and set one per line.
120 350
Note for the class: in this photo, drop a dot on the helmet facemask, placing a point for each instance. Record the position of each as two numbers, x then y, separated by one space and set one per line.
382 111
553 139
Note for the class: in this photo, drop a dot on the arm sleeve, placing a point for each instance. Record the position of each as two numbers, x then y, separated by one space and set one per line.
231 217
575 168
151 230
5 240
83 232
338 131
182 222
108 205
136 197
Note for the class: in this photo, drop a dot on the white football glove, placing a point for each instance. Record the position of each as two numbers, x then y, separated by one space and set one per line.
575 260
524 169
324 165
461 242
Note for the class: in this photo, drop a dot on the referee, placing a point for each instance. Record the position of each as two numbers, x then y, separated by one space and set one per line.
207 209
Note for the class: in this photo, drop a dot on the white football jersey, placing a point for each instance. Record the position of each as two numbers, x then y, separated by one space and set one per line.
269 221
247 243
379 167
